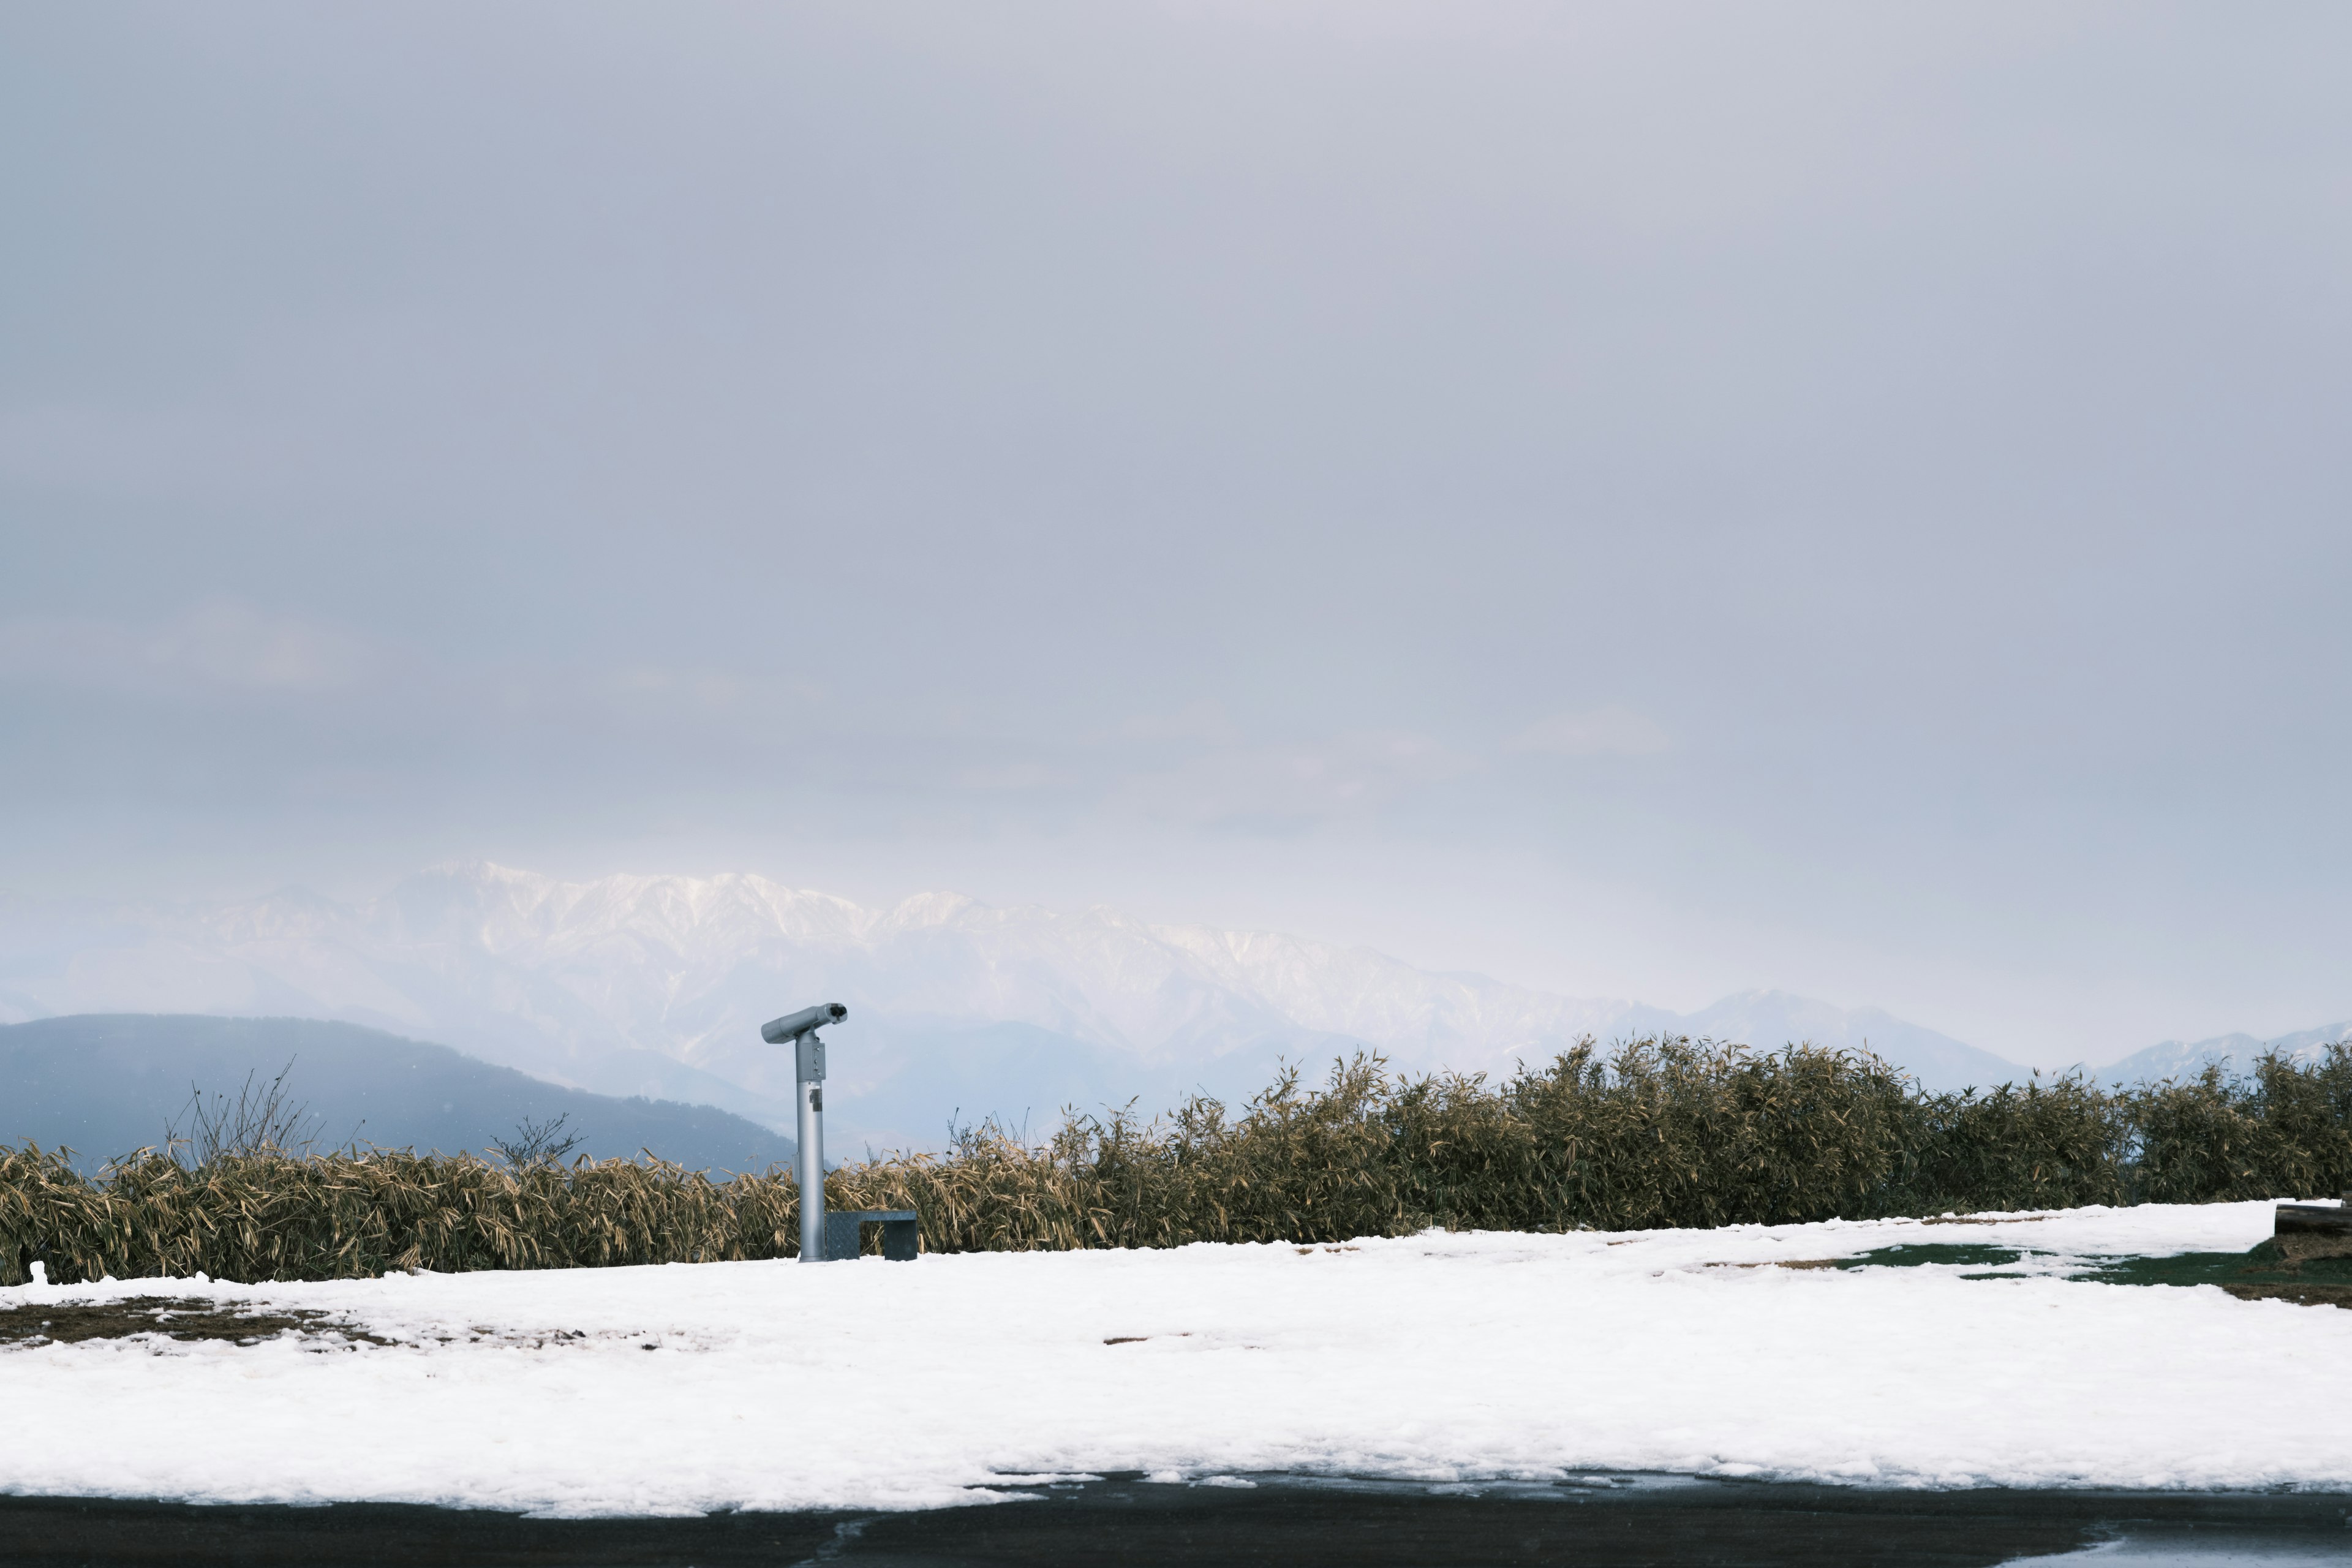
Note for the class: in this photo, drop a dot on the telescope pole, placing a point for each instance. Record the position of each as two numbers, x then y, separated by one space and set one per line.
810 1054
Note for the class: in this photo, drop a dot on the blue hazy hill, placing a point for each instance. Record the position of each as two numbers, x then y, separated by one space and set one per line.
106 1084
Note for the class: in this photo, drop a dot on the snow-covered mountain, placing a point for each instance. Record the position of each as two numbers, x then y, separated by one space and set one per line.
657 985
2232 1053
1773 1018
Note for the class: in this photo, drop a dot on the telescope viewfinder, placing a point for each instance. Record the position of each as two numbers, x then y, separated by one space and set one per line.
792 1025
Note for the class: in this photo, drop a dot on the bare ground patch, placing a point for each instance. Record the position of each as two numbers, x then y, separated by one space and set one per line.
187 1318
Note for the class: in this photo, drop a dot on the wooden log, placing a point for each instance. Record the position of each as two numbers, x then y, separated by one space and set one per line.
2313 1219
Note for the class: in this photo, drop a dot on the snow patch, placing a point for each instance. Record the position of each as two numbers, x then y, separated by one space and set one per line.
1438 1357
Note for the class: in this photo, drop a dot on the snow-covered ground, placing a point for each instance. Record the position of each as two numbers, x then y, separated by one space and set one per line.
1437 1356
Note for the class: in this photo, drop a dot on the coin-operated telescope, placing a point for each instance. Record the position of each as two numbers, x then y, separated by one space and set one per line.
800 1029
824 1236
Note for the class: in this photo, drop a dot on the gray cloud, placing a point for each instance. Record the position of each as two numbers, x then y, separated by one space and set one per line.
1291 787
1835 498
1609 732
213 646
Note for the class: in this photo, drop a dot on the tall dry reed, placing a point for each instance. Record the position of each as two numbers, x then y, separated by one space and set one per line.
1663 1133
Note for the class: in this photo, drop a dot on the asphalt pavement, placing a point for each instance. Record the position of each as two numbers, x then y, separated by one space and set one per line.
1125 1522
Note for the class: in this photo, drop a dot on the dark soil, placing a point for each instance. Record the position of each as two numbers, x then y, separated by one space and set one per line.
173 1317
1958 1255
2301 1294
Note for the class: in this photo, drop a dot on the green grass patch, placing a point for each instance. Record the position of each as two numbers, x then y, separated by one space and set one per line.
2182 1269
2268 1271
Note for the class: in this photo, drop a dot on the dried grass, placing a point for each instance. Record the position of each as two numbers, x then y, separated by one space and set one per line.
1663 1132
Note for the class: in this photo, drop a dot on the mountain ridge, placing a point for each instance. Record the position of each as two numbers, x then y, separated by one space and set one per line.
105 1085
654 985
2233 1053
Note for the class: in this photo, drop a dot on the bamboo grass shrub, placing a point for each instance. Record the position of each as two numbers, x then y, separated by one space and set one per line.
1664 1132
2062 1144
2283 1128
274 1216
1677 1132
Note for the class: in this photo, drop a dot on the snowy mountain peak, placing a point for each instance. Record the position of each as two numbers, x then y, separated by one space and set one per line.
2231 1053
657 985
934 909
506 906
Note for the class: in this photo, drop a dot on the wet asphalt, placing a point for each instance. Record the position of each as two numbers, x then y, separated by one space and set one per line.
1292 1521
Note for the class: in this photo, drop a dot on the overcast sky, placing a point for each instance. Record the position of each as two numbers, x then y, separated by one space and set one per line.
1644 500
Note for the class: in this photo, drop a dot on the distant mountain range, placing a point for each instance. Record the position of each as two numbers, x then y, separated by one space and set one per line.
106 1085
656 986
2232 1053
1770 1019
